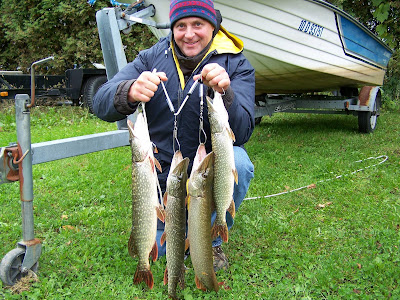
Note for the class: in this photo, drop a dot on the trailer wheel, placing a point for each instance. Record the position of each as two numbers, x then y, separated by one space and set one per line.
89 90
367 120
10 267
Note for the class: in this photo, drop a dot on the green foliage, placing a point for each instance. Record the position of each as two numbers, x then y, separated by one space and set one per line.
34 29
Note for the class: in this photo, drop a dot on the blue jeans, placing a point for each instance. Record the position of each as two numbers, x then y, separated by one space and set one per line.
245 171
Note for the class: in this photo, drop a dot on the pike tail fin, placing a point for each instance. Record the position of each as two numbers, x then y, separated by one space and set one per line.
199 284
220 230
144 275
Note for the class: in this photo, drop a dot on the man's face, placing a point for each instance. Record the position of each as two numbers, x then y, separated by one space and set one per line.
192 35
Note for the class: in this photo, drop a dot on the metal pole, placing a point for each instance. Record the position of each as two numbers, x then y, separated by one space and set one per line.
111 45
33 246
25 167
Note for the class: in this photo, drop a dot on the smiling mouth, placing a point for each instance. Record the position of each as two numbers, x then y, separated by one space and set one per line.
191 44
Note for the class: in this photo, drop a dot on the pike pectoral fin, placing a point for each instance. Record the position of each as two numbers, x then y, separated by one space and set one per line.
187 244
130 126
231 134
160 213
154 252
199 284
231 209
158 165
163 238
144 275
166 276
165 198
235 175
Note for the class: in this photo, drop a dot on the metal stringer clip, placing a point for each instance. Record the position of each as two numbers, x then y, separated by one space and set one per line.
201 118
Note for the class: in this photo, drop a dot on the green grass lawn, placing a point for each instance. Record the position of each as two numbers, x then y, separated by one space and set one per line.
336 239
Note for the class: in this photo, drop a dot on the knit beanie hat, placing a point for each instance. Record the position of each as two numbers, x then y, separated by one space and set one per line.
201 8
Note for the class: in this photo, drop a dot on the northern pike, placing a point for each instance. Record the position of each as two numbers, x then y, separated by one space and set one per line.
175 223
199 219
145 204
225 174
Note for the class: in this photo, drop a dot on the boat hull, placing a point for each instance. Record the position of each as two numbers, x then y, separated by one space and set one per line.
299 46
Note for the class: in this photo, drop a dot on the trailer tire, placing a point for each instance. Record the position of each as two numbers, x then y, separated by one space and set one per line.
367 120
89 90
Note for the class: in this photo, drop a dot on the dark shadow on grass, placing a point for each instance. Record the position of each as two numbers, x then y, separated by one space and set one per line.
308 123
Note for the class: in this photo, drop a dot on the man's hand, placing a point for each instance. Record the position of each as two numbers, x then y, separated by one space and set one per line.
145 86
215 76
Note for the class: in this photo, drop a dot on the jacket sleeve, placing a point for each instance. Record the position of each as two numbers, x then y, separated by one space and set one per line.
241 111
110 101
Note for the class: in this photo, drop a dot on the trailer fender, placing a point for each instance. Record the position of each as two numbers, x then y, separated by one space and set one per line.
368 96
369 104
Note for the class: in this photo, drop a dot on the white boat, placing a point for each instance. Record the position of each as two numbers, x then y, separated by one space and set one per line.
299 45
295 46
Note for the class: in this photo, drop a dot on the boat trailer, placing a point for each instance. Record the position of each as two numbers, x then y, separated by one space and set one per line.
17 159
365 106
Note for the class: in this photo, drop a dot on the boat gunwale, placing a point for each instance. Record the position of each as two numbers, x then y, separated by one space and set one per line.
354 20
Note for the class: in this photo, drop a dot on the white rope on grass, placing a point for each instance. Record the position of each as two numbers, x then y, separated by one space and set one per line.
383 157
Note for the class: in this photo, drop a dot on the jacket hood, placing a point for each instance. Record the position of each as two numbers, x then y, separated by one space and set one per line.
225 42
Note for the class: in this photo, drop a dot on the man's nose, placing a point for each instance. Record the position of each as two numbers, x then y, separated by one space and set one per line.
189 32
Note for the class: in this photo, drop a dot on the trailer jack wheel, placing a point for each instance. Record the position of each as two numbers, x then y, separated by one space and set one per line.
11 267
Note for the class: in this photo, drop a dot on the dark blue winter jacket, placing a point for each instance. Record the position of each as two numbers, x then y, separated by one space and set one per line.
226 50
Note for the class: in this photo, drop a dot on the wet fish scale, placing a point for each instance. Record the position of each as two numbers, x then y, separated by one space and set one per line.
199 220
142 241
175 223
225 174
